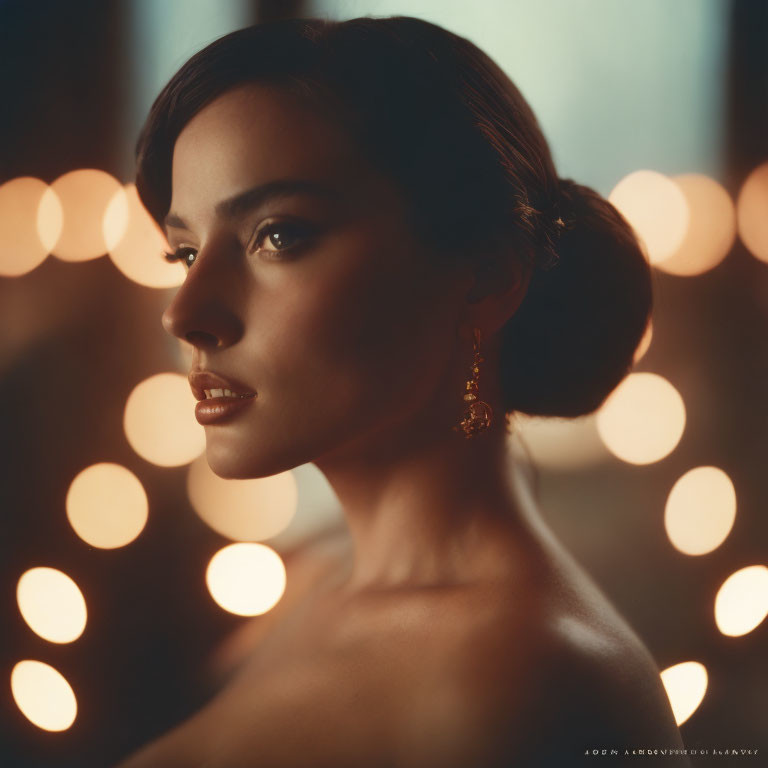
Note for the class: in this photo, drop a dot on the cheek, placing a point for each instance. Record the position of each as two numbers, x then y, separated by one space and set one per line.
357 328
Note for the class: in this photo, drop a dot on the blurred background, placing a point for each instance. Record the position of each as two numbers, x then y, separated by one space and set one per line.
130 573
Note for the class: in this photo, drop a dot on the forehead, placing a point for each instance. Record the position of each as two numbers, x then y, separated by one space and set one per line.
255 134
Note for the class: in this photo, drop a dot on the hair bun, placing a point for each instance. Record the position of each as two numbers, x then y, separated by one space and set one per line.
574 336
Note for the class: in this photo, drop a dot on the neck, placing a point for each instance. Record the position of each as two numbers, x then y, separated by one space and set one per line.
434 509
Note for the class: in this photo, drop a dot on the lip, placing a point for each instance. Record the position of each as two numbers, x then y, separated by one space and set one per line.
218 409
210 410
201 380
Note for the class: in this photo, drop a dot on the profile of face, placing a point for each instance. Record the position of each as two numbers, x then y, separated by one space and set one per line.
307 287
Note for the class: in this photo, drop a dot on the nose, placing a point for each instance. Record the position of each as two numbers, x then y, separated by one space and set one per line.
203 311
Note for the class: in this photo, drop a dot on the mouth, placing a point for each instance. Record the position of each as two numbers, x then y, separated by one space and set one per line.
215 394
207 385
219 399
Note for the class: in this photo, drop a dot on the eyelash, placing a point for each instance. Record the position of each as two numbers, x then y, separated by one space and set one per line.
183 252
178 255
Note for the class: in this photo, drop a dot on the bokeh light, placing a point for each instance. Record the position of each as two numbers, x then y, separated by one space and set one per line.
657 210
85 195
52 604
43 695
114 223
752 212
711 231
30 223
685 684
159 421
246 578
741 603
107 506
243 510
643 419
700 510
645 342
138 253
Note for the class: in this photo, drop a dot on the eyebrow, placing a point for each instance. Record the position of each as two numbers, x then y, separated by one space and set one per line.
244 202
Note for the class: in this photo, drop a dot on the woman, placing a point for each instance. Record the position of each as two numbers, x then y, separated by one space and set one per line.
382 263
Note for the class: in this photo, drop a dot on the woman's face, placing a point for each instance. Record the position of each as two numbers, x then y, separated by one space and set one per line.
307 288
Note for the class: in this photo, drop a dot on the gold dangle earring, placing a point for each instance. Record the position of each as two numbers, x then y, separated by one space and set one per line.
477 414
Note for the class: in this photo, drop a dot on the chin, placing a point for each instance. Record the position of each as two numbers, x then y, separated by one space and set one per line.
236 462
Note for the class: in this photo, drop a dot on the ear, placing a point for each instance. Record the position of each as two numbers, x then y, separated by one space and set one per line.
499 287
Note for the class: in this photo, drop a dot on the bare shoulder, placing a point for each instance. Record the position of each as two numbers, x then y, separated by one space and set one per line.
546 689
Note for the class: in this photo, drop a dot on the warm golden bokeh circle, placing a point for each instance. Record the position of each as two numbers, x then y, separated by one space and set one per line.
656 209
43 695
243 510
107 506
644 344
114 223
52 604
85 196
712 229
741 603
643 419
139 252
246 578
752 212
700 510
159 421
685 684
30 223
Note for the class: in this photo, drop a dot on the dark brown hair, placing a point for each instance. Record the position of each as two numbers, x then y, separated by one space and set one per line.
437 115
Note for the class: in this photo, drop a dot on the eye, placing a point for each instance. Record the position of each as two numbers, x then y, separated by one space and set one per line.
280 236
185 254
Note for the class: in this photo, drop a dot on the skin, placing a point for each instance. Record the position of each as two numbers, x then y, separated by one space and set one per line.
442 624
